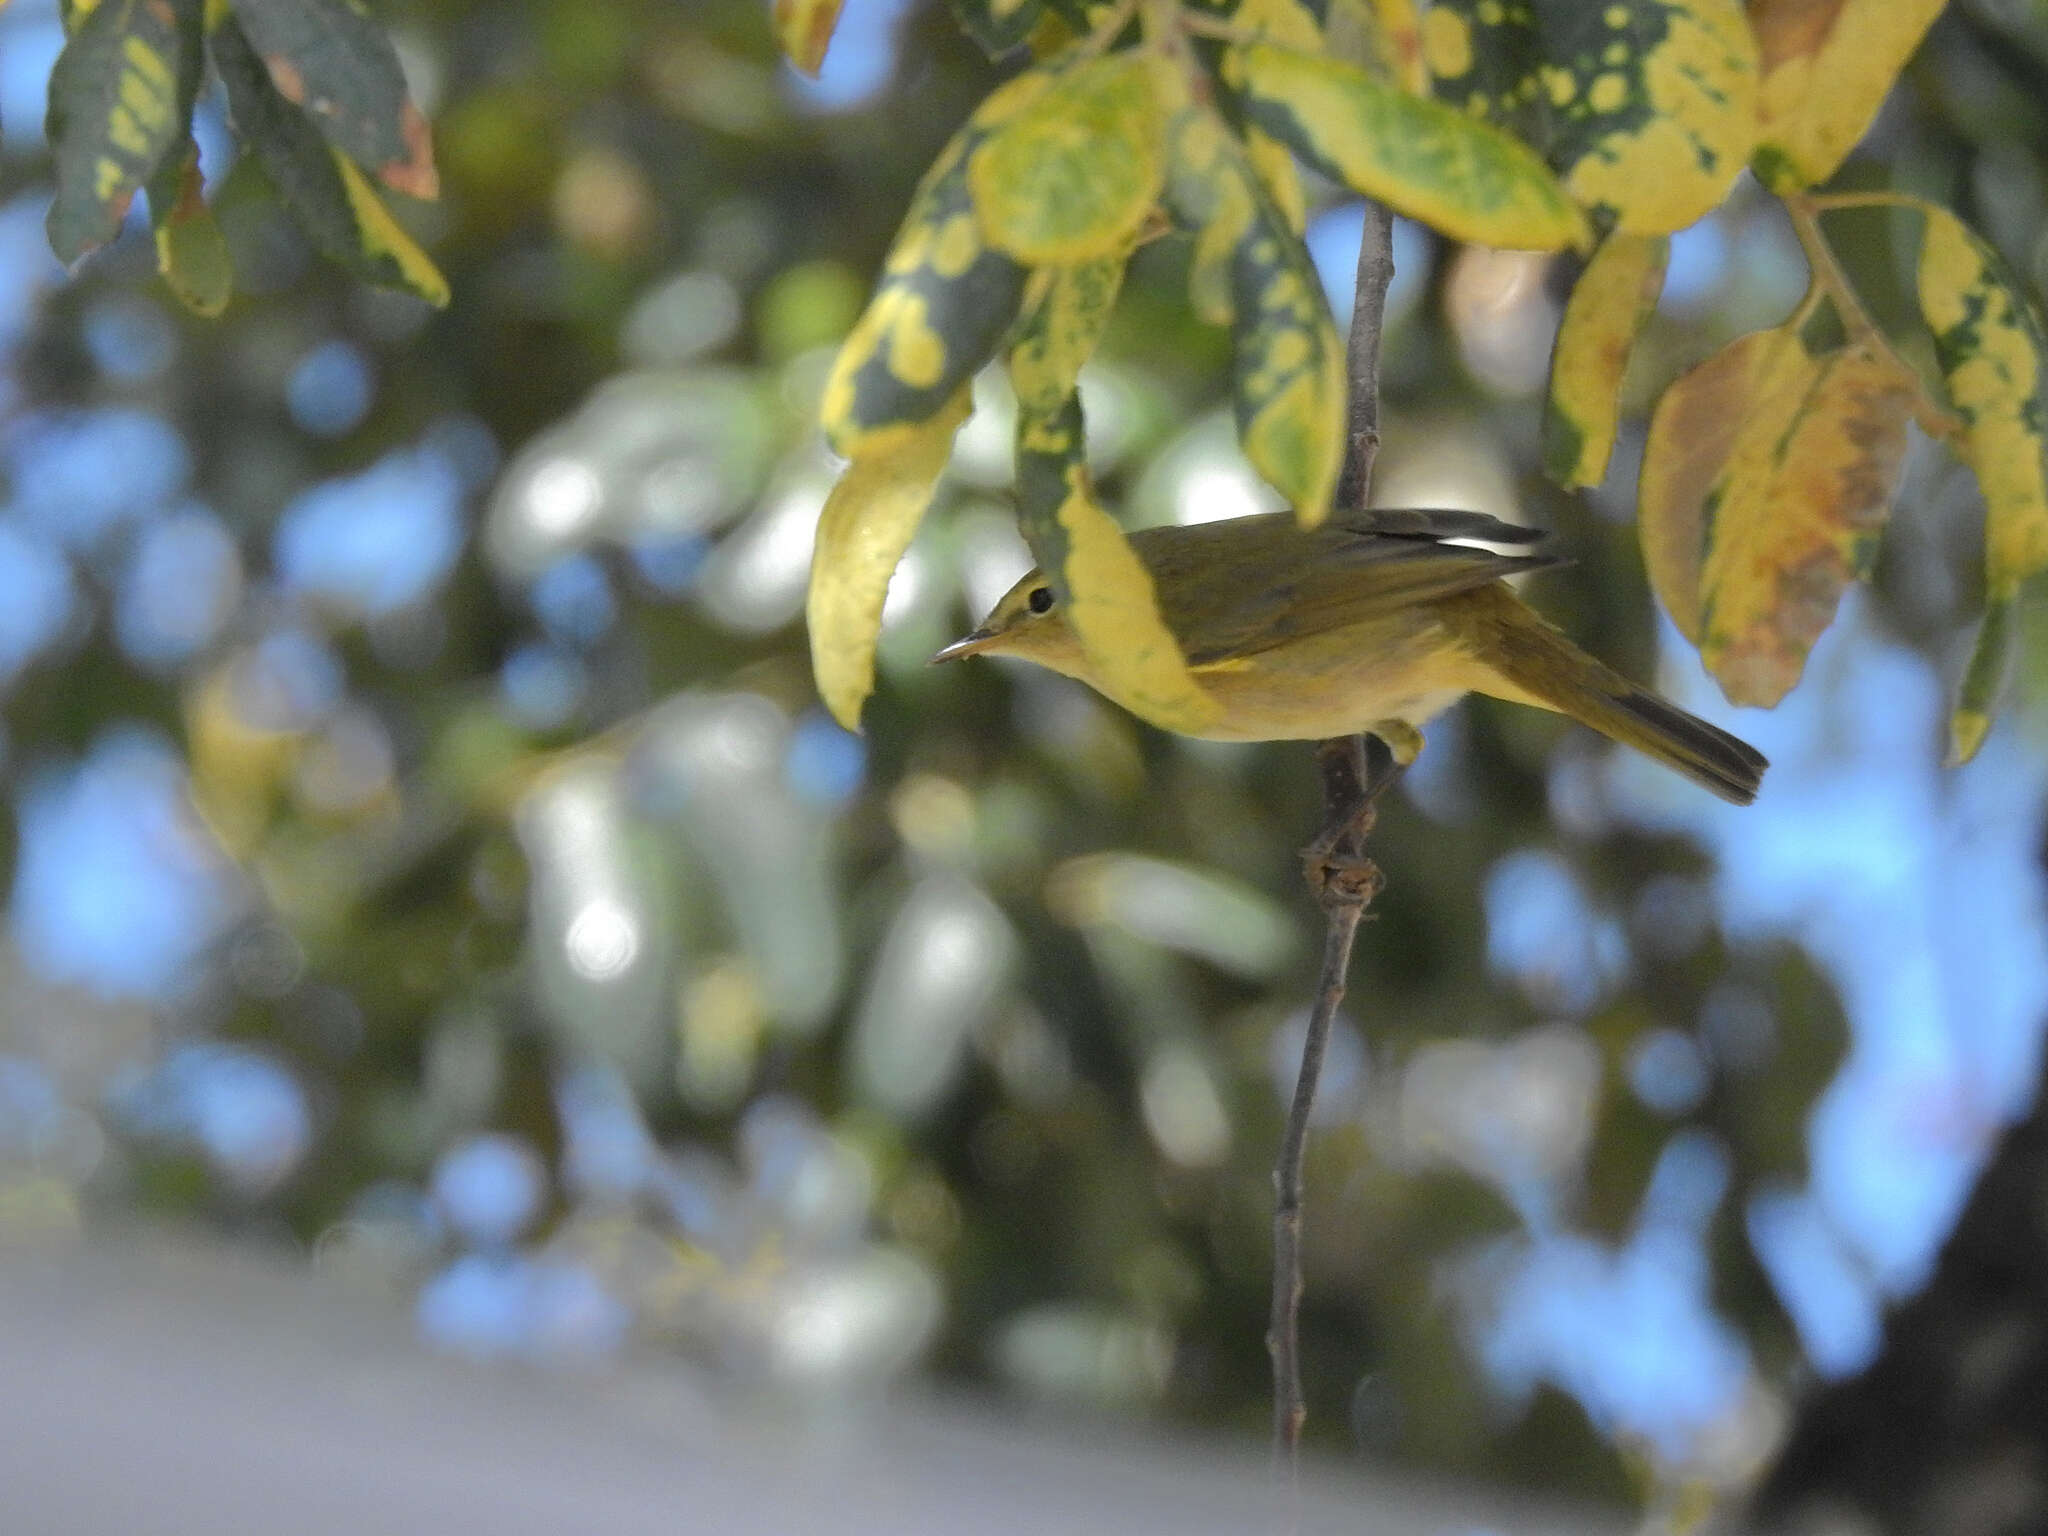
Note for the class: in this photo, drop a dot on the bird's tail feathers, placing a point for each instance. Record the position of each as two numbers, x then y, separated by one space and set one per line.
1544 665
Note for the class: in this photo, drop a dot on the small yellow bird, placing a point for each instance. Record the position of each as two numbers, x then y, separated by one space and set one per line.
1374 621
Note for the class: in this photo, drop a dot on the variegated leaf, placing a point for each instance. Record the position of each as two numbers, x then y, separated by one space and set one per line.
334 63
120 103
942 305
1287 364
1991 353
1645 108
1071 174
331 200
1612 300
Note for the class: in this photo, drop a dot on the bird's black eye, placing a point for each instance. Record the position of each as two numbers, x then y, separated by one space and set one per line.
1040 599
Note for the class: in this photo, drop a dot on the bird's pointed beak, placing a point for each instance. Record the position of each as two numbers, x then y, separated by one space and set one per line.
966 645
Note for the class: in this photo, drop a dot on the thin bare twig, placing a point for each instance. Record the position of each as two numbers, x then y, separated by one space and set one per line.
1368 318
1355 770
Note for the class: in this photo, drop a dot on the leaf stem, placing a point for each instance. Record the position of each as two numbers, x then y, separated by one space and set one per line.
1830 278
1101 36
1830 202
1222 31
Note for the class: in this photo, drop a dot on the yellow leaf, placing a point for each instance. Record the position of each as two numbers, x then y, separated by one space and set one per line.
1766 480
868 522
1453 172
1827 65
1610 303
1072 175
803 29
1287 373
1108 593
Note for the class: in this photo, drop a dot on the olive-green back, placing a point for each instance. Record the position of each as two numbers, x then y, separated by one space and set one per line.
1244 585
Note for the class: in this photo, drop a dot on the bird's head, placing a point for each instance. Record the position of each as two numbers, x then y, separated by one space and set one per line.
1030 621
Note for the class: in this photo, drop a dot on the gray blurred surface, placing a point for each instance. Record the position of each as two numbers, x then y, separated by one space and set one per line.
150 1385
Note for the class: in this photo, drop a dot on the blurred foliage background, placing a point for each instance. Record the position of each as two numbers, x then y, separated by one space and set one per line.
428 852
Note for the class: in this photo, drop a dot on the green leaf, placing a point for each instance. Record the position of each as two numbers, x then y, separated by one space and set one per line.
1766 481
1827 66
1287 359
1645 108
1071 174
330 60
332 202
1991 354
1451 171
1983 681
867 523
803 30
1610 303
944 300
120 102
1486 60
191 252
998 25
1211 198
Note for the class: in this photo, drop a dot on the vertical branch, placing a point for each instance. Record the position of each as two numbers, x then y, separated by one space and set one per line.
1368 318
1355 769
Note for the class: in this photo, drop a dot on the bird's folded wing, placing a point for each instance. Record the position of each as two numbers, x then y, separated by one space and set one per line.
1236 588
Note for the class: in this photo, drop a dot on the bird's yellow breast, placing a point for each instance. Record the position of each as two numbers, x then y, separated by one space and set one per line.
1338 682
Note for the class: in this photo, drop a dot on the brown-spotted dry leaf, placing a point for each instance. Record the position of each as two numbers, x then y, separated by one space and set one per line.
1766 482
